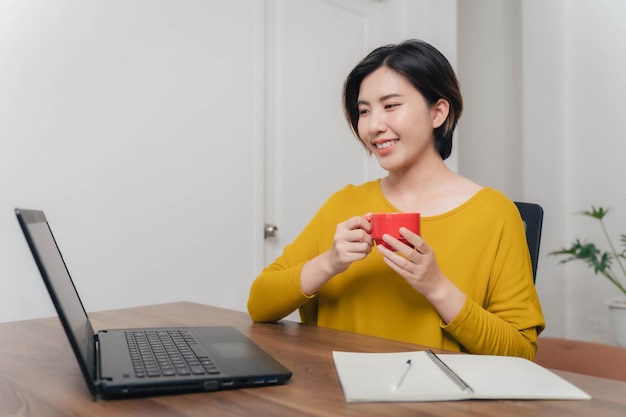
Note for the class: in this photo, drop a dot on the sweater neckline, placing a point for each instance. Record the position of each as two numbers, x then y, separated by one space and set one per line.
450 212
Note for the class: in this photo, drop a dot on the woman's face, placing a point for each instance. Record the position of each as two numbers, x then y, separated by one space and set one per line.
395 122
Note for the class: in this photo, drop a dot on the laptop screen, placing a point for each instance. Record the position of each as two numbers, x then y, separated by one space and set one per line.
57 278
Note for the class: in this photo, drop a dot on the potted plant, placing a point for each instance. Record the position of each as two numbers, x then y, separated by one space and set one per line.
603 262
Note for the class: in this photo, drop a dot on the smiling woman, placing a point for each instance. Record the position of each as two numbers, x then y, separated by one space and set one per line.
464 283
425 69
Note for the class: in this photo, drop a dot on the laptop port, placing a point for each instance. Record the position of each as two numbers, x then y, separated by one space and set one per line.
210 385
227 383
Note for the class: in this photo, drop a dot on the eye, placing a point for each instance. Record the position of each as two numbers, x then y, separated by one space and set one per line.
391 106
363 112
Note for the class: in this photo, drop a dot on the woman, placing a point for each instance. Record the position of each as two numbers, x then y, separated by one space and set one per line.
466 285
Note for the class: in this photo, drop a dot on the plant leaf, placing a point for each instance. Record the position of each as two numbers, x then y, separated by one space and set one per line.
597 213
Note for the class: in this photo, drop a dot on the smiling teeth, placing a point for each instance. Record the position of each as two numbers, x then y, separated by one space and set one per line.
386 144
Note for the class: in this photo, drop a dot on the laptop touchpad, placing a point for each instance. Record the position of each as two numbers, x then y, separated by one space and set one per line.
235 349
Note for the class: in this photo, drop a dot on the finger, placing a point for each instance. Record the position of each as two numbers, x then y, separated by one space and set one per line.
367 226
414 239
365 247
404 273
401 264
358 222
398 246
359 235
358 239
368 216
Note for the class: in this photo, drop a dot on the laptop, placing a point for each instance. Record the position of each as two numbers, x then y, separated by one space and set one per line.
145 361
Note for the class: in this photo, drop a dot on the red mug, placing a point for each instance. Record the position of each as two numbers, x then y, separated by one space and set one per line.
390 224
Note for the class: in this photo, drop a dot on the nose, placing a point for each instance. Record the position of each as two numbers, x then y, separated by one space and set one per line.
376 124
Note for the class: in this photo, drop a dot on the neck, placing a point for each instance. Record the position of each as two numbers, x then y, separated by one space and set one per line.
419 178
429 190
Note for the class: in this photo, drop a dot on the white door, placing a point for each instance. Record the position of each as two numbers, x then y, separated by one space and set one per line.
311 152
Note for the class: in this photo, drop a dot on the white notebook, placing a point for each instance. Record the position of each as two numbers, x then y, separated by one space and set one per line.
426 376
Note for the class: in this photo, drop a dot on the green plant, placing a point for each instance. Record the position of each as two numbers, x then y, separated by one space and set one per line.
601 262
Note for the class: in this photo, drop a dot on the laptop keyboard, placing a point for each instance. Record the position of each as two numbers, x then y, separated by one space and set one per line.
168 352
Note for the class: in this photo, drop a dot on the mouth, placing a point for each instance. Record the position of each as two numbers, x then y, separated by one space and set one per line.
386 144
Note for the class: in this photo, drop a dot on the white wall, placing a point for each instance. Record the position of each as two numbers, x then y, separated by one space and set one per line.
129 123
595 88
489 72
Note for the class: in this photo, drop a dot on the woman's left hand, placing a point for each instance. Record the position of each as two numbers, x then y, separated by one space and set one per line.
418 266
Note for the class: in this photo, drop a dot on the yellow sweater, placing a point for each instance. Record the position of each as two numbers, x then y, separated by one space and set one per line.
480 246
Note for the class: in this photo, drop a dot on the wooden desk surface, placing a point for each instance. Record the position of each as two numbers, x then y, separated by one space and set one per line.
39 375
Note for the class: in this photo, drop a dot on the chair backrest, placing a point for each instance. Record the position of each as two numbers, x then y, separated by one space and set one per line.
532 215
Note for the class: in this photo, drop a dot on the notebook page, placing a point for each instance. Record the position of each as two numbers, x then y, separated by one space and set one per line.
506 377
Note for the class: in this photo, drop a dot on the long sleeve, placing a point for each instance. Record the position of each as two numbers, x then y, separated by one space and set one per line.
276 292
502 315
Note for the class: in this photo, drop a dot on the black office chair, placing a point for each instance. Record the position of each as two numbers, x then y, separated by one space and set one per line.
532 215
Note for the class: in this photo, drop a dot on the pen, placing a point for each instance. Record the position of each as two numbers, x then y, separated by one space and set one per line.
405 371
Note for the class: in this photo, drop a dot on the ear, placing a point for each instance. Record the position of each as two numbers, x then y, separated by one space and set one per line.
439 112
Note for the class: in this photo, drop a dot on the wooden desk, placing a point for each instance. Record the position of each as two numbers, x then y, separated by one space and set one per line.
39 375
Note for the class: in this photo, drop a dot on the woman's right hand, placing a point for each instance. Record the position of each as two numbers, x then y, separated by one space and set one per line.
351 243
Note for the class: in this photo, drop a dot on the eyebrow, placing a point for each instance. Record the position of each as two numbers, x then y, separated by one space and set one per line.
383 98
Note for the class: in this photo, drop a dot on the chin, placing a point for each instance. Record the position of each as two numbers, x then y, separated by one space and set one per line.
388 165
